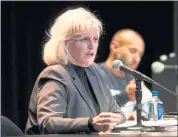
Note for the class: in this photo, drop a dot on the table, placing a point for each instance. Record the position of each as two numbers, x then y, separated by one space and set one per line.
143 134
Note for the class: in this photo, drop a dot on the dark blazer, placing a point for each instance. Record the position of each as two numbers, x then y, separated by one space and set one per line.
60 104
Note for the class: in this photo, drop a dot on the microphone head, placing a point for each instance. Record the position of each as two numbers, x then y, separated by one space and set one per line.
117 64
157 67
163 57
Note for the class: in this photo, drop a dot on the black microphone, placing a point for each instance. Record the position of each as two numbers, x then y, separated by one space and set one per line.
118 65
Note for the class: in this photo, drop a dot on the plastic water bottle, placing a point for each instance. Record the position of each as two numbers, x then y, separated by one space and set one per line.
155 108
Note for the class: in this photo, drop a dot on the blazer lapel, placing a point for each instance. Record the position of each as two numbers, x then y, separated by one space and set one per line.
96 88
80 87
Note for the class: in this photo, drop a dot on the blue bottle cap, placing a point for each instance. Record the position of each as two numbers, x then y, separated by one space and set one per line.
154 93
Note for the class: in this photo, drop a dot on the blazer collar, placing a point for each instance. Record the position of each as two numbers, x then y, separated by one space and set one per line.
97 87
95 83
83 92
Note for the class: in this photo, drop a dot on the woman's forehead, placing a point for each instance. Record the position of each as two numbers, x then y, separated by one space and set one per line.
91 31
88 32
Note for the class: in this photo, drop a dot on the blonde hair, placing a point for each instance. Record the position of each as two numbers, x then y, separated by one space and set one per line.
68 26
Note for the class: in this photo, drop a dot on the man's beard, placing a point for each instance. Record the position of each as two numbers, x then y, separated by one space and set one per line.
124 60
117 57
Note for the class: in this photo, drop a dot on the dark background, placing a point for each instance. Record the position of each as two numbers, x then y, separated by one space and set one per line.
23 27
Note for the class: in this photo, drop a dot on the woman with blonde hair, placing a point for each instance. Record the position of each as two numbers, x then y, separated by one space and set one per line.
70 95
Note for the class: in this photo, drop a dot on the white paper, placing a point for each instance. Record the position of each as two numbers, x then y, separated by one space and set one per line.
161 123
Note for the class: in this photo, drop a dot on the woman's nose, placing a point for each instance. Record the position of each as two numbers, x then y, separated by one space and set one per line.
90 44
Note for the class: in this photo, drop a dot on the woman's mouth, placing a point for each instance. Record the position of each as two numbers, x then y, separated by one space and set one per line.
90 54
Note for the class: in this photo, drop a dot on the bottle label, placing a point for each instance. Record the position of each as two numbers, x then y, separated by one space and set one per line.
160 111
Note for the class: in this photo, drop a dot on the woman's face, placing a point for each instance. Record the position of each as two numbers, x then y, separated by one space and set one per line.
83 50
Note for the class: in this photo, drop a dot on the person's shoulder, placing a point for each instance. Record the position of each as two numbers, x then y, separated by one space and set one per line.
53 71
100 70
101 65
129 76
53 68
97 66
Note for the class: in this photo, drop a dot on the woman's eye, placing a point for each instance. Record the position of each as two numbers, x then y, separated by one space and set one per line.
84 39
95 39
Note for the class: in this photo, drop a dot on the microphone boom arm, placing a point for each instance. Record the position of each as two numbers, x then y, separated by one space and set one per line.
165 88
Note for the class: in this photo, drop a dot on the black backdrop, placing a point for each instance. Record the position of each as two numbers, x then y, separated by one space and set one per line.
23 27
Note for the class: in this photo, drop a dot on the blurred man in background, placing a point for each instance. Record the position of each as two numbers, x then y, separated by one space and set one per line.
128 46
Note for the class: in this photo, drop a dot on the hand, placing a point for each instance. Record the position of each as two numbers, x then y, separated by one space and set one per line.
105 122
133 115
130 89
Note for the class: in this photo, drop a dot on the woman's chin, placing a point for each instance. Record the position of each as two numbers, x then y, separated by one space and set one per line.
86 64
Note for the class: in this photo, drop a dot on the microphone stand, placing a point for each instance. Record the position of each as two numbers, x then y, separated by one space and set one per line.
138 95
118 65
177 91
